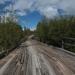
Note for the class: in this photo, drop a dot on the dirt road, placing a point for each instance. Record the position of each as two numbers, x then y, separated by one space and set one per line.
35 58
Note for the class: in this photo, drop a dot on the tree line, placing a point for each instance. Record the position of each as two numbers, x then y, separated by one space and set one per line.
11 35
54 31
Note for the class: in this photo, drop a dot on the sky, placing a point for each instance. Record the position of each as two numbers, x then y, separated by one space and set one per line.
30 12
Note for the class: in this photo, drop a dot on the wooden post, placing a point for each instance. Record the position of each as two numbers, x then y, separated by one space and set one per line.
62 44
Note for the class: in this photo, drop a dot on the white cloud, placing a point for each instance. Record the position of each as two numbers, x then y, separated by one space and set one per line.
68 6
21 13
48 8
42 6
23 4
3 1
32 29
49 12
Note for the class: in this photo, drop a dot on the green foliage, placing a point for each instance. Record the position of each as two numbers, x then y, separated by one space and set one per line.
42 30
10 35
54 30
27 31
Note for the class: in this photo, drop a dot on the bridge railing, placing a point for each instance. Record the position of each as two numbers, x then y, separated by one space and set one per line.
68 43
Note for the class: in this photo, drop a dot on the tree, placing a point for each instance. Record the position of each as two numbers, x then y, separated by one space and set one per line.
42 30
55 30
10 35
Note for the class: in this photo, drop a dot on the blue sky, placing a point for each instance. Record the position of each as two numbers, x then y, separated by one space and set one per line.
30 12
30 20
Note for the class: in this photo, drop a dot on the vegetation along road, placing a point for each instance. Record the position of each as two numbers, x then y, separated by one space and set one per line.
35 58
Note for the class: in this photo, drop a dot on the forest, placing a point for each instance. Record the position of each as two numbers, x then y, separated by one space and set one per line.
59 32
11 36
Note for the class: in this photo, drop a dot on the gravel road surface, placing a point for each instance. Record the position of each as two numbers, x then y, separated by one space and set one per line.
35 58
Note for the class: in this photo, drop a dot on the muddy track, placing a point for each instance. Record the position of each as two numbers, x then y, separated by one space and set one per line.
35 58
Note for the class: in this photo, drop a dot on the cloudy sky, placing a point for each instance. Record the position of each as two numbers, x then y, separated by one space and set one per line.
30 12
